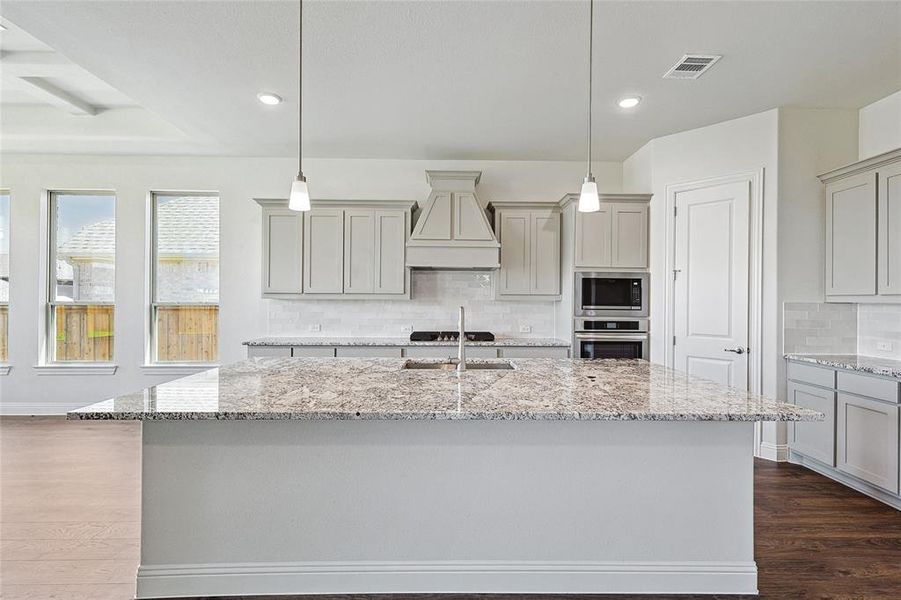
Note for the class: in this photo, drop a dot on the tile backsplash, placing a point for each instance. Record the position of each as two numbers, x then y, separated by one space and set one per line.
436 297
819 328
879 330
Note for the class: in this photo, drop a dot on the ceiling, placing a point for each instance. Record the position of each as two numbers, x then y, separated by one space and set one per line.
437 80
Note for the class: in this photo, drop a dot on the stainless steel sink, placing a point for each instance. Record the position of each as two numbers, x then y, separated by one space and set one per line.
450 365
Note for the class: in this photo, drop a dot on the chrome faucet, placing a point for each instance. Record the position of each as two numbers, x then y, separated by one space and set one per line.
461 350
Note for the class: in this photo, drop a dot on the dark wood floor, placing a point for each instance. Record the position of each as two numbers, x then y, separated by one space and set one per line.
70 511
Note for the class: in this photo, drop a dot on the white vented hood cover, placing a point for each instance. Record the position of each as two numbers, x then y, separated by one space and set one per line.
453 230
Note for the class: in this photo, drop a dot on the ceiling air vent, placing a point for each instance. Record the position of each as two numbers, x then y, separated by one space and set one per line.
691 66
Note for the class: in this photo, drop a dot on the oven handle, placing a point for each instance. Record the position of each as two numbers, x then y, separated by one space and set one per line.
593 337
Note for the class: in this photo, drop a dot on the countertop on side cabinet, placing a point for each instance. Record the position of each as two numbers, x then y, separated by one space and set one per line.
399 341
853 362
537 389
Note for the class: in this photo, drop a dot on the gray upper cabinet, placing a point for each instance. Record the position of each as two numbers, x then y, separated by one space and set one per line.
529 235
337 250
615 237
323 251
889 247
850 223
863 231
282 249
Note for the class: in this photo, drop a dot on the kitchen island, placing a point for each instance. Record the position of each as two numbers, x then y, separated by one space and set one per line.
333 476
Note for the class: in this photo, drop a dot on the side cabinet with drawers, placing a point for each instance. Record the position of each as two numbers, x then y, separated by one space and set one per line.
858 444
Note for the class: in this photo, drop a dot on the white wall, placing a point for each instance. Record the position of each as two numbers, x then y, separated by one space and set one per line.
243 313
880 126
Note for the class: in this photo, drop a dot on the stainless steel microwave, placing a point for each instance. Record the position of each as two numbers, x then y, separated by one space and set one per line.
611 294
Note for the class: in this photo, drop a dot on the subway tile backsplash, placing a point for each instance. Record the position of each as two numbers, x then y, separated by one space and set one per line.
879 330
819 328
436 297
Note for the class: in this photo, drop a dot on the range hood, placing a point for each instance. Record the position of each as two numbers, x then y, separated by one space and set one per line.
453 231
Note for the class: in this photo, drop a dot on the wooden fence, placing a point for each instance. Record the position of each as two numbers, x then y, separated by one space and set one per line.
84 333
187 334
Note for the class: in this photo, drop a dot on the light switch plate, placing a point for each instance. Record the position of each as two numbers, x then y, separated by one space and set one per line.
315 327
406 329
887 346
525 329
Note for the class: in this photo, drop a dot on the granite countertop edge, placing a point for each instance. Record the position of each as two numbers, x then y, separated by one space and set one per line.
399 341
852 362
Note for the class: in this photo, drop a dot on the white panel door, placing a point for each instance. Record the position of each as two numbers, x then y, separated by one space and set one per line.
514 233
711 286
851 236
359 251
629 240
593 243
390 244
545 253
890 230
323 251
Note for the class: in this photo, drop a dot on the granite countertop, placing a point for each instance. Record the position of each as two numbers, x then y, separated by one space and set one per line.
380 389
853 362
397 341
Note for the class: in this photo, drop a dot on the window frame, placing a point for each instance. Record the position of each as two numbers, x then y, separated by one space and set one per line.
49 346
151 347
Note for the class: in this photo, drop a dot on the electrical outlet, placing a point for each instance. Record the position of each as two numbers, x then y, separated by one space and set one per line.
406 329
315 327
887 346
525 329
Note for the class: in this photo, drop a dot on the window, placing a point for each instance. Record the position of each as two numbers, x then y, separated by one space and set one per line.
185 278
82 276
4 276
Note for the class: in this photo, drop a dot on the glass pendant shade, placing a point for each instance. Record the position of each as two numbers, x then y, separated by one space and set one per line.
589 201
300 195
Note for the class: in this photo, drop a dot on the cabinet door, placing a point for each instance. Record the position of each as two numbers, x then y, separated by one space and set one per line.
390 248
282 256
359 251
814 439
851 236
545 253
629 244
515 271
593 243
867 441
323 251
889 259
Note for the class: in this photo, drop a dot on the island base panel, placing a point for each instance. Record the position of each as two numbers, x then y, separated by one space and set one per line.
339 507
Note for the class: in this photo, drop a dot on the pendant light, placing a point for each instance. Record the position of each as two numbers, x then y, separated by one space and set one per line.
300 195
589 201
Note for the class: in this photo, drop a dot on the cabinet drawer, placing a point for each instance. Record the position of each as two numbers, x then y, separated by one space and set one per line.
868 385
368 351
867 440
450 352
814 439
253 351
312 351
535 352
821 376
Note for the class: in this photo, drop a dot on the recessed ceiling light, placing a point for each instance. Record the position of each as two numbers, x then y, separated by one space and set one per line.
629 101
268 98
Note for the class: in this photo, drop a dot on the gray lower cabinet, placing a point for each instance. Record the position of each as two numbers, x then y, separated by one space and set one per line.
814 439
368 352
867 440
312 351
450 352
439 352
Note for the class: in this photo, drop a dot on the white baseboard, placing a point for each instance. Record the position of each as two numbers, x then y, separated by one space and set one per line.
162 581
774 452
33 409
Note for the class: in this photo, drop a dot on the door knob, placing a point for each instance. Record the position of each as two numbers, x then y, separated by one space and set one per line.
738 350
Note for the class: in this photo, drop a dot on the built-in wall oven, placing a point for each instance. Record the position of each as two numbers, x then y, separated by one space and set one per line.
611 338
611 294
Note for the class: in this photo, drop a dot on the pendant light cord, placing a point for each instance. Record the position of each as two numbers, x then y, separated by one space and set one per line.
590 56
300 96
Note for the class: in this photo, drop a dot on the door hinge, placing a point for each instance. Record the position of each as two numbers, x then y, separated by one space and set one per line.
674 340
675 211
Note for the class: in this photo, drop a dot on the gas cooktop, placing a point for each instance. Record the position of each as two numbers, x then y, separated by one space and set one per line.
450 336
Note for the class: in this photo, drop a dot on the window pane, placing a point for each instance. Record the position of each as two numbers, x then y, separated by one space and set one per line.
187 249
187 333
4 328
4 247
83 333
85 248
